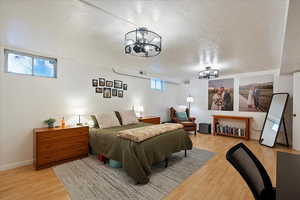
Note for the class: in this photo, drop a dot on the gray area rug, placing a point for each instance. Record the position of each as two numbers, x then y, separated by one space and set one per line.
90 179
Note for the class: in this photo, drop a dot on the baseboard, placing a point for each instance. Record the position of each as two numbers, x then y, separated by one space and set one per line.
15 165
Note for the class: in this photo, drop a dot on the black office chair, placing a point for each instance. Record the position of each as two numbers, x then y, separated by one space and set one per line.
253 172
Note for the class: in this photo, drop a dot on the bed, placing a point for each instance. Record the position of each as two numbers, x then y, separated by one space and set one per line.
137 158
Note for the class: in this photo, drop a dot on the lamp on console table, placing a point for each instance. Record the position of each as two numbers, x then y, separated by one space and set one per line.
79 113
139 111
190 100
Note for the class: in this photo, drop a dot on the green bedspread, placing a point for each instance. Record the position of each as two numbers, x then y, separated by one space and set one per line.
137 158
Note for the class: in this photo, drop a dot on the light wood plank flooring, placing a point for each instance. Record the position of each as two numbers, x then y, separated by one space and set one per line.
216 180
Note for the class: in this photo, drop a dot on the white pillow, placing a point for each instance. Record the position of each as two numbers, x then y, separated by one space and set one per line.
107 120
128 117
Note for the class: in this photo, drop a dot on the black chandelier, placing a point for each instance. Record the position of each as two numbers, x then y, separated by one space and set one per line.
209 73
142 42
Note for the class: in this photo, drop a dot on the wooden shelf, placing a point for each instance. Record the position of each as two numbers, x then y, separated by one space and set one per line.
229 135
245 119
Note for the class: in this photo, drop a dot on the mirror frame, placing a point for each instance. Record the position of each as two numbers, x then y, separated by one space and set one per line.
280 122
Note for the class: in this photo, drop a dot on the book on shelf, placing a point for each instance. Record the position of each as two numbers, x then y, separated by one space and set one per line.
228 130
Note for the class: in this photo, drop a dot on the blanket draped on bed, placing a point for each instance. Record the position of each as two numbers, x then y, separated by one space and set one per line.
137 158
144 133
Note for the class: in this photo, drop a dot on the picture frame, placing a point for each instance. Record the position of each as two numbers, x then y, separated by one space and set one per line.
101 81
99 90
124 86
106 92
221 94
114 92
120 93
255 93
109 84
95 83
118 84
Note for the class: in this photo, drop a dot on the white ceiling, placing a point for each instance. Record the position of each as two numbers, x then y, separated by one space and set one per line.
232 35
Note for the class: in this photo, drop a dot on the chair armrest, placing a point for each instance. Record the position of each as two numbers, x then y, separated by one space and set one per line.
192 119
175 120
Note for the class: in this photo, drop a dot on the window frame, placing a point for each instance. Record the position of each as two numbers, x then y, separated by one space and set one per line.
32 56
162 84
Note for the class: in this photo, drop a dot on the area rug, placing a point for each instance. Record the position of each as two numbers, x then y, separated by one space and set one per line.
90 179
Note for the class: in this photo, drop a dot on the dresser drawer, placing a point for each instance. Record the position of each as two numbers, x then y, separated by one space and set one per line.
57 145
62 154
61 135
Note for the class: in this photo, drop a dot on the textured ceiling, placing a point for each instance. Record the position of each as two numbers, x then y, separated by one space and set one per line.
232 35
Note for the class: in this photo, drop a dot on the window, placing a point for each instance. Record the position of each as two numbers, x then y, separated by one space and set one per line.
23 63
157 84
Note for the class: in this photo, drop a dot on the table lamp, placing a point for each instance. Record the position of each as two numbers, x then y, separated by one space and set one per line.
190 100
79 112
140 110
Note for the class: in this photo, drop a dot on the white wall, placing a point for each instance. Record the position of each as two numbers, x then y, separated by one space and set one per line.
199 90
290 54
26 101
296 133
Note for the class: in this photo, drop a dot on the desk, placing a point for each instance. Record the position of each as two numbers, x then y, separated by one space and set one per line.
288 176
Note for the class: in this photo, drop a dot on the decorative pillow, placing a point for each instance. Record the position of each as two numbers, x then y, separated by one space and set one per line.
181 116
128 117
107 120
96 125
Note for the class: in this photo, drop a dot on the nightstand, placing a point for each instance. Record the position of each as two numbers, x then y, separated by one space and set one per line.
53 146
150 119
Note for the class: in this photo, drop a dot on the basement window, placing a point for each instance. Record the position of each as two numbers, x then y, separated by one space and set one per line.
157 84
28 64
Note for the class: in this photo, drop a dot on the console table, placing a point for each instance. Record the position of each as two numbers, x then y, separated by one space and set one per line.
245 120
150 119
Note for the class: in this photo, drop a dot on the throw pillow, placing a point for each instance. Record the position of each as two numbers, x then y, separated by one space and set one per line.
128 117
181 116
107 120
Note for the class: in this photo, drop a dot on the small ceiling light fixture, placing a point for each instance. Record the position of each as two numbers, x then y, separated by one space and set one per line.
209 73
142 42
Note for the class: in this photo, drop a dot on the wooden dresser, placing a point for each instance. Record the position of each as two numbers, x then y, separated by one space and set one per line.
57 145
150 119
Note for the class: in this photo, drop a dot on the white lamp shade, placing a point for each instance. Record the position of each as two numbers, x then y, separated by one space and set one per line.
190 99
80 111
140 109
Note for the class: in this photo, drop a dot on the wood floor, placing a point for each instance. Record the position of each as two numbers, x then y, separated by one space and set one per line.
216 180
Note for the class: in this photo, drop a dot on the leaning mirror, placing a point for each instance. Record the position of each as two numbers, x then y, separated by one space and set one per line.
274 119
